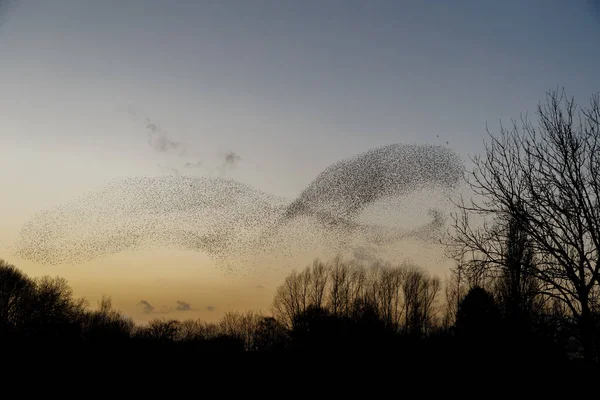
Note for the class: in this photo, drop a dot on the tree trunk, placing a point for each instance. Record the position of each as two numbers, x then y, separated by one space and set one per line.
587 327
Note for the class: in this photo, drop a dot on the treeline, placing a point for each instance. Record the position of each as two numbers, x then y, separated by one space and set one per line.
333 307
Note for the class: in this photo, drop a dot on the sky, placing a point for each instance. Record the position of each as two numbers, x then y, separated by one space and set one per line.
268 93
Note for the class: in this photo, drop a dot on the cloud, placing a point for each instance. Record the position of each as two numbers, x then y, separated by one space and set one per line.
147 307
260 287
231 158
196 164
183 306
230 161
211 308
162 142
159 140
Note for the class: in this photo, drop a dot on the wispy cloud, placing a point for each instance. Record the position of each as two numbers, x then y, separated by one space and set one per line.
159 140
146 306
230 161
231 158
183 306
196 164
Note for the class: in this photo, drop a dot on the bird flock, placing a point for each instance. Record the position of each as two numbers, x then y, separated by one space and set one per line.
233 222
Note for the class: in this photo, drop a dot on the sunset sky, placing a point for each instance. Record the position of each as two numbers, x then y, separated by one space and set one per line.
268 93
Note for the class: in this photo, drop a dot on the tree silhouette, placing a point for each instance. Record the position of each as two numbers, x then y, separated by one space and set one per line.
16 293
404 297
106 325
43 314
546 179
455 289
54 313
241 326
318 330
420 293
271 335
478 317
518 287
161 331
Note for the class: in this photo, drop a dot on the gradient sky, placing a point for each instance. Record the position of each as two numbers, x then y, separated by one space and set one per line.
289 86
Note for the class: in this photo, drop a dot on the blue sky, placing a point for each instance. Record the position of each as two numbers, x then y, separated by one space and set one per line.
290 86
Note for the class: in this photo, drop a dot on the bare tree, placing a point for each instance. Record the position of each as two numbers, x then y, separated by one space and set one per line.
291 299
324 285
16 291
318 285
241 326
270 335
162 331
420 293
341 289
190 330
389 295
106 324
455 289
517 288
546 179
54 311
429 295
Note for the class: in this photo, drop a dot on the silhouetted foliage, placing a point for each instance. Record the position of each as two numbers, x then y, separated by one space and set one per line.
518 287
40 309
338 308
403 297
159 330
540 184
54 313
478 317
16 295
106 325
271 335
